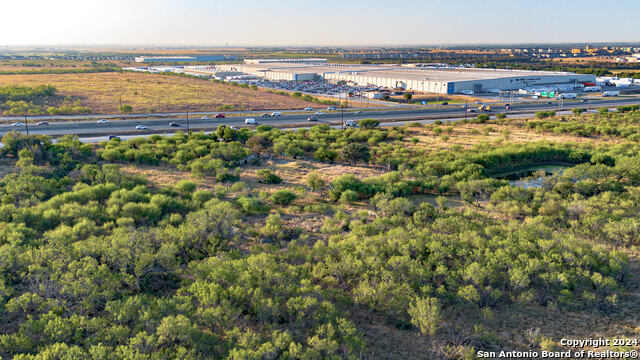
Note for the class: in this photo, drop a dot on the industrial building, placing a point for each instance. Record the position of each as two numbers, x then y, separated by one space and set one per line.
416 77
147 59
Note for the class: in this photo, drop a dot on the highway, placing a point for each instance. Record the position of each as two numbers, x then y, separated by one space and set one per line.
161 125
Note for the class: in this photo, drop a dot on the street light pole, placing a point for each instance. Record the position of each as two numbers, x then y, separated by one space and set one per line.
466 104
26 124
188 130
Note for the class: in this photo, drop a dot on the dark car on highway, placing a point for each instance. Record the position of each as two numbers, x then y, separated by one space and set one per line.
312 118
219 116
174 124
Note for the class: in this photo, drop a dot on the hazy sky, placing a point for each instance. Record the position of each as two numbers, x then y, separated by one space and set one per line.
319 22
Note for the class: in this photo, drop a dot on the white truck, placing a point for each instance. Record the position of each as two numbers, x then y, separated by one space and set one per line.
351 123
567 96
610 93
250 121
592 88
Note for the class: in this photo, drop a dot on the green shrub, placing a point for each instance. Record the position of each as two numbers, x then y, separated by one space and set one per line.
349 196
283 197
267 176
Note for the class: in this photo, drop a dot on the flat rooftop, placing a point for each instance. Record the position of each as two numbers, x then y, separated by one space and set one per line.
450 74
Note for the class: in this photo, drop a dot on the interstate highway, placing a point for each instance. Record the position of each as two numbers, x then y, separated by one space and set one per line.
161 125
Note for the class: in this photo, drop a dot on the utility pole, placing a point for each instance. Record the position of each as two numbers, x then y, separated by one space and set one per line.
188 131
589 105
466 104
342 115
26 124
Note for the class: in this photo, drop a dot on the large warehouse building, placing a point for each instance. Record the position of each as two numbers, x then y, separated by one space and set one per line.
434 79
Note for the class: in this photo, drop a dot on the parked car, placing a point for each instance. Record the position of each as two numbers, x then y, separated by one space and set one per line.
250 121
103 121
312 118
219 116
205 117
141 127
42 123
174 124
308 108
15 124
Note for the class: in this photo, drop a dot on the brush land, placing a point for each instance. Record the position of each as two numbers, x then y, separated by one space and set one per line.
411 242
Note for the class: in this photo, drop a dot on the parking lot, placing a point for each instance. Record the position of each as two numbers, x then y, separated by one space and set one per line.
314 87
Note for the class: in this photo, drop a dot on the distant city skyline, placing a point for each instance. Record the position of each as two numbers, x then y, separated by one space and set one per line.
327 23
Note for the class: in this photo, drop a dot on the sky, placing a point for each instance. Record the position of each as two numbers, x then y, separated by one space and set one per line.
316 23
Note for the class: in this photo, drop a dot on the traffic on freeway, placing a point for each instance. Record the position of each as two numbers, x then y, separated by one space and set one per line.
282 118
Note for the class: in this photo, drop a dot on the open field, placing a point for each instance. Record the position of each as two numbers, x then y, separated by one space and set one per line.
103 92
43 65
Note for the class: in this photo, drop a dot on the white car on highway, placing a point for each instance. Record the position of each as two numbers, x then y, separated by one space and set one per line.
205 117
17 124
308 108
319 113
103 121
141 127
332 108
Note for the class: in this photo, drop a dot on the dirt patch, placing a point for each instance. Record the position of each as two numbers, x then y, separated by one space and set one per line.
159 176
468 135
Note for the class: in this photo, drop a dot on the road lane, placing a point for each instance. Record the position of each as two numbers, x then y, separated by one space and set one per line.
161 125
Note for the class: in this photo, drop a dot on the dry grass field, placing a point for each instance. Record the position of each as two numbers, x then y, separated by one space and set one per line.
102 92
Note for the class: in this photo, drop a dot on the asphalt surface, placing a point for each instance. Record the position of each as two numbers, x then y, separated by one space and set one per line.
161 125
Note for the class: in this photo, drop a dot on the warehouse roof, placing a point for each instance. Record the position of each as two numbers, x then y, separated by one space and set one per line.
449 74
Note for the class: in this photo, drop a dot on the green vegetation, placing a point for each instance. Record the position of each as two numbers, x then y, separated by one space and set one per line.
97 262
39 100
623 123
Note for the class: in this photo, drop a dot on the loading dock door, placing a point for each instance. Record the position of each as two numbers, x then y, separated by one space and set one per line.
450 88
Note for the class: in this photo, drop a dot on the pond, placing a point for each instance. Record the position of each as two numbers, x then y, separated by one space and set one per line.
526 178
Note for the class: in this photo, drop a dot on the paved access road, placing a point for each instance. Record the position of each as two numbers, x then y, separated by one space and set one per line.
161 125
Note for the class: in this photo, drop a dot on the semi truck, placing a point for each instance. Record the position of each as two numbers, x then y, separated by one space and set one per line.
592 88
610 93
567 96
